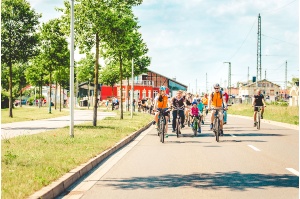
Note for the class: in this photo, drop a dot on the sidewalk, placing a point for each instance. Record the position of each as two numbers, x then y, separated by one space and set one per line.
11 130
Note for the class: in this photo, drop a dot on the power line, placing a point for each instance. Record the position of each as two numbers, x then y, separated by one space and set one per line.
280 40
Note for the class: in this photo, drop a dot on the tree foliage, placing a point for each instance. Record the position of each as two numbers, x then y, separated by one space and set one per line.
18 36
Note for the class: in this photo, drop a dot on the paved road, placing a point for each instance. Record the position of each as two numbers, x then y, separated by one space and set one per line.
246 163
32 127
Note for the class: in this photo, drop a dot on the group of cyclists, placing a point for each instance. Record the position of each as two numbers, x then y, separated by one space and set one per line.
190 106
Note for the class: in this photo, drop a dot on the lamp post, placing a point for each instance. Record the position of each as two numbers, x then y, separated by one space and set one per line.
132 90
72 72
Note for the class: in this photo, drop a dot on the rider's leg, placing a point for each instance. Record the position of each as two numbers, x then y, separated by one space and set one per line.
212 118
166 125
156 116
181 113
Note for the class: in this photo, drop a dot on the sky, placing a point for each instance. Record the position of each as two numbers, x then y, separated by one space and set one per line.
191 39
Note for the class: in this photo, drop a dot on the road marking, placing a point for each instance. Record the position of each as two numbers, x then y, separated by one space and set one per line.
233 135
253 147
293 171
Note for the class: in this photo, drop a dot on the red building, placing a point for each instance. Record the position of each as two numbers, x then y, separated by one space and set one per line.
145 86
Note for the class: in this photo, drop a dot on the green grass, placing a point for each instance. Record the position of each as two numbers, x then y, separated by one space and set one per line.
29 113
34 161
285 114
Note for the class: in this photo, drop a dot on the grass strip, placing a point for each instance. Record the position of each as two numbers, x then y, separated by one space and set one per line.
285 114
34 161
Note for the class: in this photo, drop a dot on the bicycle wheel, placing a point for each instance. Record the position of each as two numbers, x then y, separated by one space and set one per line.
177 127
258 120
195 126
217 129
162 127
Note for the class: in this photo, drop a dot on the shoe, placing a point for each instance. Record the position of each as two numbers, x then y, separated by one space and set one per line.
153 123
202 122
173 130
254 124
182 126
191 126
221 132
199 131
262 117
211 126
224 122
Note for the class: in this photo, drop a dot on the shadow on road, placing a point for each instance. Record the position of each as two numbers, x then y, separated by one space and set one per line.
231 180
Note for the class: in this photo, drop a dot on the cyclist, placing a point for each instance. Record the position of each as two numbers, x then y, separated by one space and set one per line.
188 102
258 100
217 100
195 113
226 100
205 102
178 103
161 103
200 106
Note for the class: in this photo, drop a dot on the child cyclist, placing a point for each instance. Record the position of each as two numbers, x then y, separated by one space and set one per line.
201 107
195 113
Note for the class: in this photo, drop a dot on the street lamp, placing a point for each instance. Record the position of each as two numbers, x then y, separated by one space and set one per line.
72 72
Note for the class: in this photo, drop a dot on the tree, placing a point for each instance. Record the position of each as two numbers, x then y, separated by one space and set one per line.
85 68
91 26
109 76
18 36
54 50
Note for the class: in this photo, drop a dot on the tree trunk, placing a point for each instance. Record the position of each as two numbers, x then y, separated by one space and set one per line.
59 97
10 90
121 93
96 81
21 98
50 90
55 95
127 91
112 97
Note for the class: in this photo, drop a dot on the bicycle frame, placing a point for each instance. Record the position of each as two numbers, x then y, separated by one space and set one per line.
216 124
178 121
162 124
258 116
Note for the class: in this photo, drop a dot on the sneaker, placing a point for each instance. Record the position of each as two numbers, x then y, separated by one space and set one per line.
221 132
153 123
262 117
182 126
199 130
211 126
224 122
173 130
202 122
254 124
191 126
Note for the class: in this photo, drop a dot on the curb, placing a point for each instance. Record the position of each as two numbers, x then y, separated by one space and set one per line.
286 125
59 186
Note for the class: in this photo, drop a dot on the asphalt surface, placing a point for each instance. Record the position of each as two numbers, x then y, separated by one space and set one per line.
246 163
10 130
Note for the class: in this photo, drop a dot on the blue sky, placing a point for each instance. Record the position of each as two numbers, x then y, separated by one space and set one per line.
188 39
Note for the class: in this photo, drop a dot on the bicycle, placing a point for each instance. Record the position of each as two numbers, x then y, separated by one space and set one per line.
216 123
178 121
162 124
258 116
195 125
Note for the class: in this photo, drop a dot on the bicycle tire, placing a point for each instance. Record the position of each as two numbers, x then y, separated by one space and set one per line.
177 128
162 126
218 130
195 126
258 120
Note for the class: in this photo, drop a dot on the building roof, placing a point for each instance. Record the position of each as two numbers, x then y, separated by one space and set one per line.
260 81
168 78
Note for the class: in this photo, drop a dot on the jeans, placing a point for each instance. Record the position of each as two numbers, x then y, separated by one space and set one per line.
181 114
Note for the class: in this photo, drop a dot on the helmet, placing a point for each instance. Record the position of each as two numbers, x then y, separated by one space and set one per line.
216 85
162 88
194 103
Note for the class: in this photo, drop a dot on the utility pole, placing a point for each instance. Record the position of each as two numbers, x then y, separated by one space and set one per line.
285 80
266 74
229 78
196 86
258 68
248 75
206 84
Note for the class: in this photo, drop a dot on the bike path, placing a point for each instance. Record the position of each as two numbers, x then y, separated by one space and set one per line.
11 130
246 163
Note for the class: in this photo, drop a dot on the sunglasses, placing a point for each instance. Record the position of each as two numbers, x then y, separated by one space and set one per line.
217 88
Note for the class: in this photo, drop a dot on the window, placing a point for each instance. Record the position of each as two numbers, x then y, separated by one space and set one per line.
149 94
154 94
144 77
